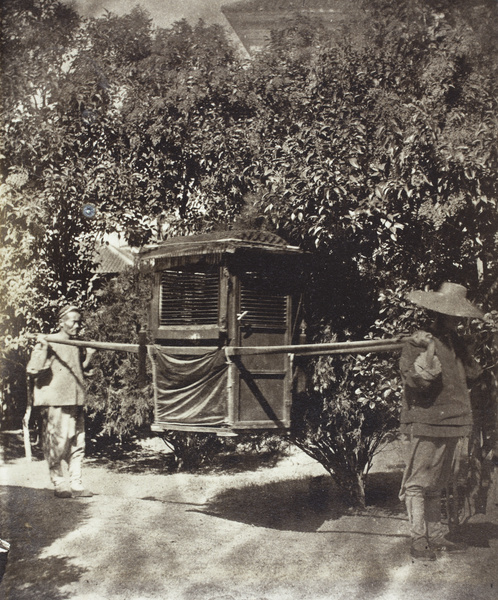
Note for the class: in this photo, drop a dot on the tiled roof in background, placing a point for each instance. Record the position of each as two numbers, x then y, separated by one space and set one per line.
112 259
253 20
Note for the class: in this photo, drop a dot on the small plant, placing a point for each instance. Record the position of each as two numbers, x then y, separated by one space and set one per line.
194 451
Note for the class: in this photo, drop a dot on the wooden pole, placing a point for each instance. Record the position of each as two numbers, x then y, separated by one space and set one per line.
359 350
26 418
142 356
134 348
361 347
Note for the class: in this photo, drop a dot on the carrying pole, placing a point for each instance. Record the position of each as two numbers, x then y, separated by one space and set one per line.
134 348
360 347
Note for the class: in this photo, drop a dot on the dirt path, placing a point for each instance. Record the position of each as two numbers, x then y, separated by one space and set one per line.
277 533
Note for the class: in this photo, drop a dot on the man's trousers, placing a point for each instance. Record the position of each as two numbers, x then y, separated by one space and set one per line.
430 463
64 440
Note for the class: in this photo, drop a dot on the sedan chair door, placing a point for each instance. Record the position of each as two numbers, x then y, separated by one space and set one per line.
264 380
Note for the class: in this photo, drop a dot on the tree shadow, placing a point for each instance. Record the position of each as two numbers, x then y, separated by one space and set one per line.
130 457
32 519
133 461
12 445
477 535
302 504
295 505
382 492
238 461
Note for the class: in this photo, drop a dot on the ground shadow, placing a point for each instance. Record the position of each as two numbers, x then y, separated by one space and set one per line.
302 504
382 492
239 461
477 535
296 505
32 519
131 458
133 461
12 445
125 458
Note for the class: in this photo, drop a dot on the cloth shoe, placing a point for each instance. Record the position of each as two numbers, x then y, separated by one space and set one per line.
4 555
421 550
62 494
81 493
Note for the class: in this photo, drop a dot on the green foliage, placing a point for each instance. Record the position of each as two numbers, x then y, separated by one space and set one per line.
341 425
119 405
91 115
384 153
351 407
384 159
194 451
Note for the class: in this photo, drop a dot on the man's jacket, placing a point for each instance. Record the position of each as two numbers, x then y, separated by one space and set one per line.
436 397
58 375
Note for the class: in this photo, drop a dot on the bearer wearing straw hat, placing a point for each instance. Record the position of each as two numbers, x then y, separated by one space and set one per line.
59 389
436 368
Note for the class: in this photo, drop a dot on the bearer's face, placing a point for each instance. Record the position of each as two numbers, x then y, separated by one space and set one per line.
452 323
71 323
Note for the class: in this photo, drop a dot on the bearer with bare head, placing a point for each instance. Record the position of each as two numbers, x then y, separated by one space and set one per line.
59 390
69 321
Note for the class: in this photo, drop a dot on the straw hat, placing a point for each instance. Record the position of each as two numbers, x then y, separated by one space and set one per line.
450 299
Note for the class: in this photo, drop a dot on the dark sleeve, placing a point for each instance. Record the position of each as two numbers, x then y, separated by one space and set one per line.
473 369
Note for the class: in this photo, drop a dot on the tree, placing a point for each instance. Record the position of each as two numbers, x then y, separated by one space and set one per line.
186 130
382 157
108 113
35 40
119 403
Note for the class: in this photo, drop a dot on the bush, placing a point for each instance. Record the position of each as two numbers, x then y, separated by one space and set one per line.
118 404
194 451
